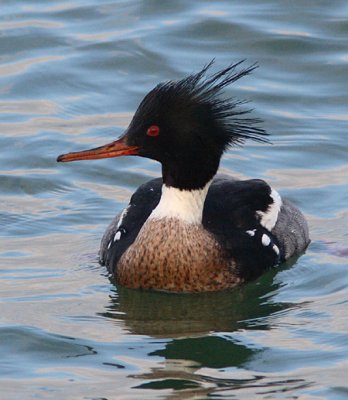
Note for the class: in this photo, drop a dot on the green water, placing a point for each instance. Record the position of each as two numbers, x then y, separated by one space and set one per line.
71 75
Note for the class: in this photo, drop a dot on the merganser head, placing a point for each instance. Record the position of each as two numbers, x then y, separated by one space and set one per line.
186 126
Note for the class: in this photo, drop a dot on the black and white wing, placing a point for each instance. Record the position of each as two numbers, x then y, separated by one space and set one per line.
125 227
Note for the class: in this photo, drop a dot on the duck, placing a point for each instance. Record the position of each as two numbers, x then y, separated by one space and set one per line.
194 230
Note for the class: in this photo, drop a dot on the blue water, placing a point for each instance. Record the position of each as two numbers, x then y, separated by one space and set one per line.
71 75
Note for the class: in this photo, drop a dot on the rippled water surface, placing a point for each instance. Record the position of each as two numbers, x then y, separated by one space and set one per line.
71 75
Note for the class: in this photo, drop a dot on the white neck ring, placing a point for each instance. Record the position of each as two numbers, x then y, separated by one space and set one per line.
184 205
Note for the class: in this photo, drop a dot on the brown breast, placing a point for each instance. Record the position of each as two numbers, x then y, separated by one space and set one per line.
175 256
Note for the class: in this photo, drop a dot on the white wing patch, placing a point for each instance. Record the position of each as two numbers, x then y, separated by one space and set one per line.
270 216
276 249
119 232
117 236
123 214
266 240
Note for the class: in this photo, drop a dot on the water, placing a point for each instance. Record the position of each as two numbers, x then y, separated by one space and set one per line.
71 75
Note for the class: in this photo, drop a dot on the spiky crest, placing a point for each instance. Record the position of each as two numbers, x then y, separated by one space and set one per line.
203 89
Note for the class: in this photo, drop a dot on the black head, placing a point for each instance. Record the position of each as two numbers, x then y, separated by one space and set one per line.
186 125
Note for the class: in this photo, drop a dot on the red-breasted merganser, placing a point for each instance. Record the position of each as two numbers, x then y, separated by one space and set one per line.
192 231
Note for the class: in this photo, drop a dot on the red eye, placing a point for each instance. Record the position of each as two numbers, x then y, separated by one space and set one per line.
153 130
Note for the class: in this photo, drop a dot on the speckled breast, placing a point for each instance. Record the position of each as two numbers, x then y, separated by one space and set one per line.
176 256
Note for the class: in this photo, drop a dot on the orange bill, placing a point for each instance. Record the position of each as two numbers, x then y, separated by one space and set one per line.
113 149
